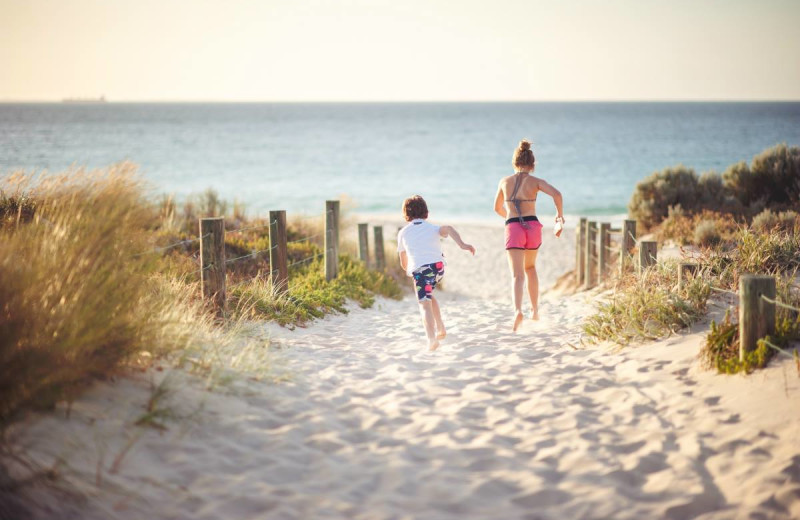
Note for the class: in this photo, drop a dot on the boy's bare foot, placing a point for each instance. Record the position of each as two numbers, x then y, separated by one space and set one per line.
441 334
433 345
517 321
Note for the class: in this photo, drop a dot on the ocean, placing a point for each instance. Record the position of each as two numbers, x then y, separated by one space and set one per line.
293 156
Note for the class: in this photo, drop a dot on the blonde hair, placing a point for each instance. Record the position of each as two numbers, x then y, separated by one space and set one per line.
523 155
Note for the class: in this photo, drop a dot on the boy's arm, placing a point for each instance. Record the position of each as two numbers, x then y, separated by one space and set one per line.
403 260
450 231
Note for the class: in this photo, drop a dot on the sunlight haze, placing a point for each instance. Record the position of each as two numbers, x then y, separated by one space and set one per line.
380 50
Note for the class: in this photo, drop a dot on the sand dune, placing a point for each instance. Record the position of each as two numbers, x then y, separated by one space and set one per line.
370 425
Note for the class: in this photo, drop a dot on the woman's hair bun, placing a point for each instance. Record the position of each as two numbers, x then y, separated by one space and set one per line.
524 145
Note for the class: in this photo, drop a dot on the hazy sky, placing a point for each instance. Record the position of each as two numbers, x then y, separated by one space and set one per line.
394 50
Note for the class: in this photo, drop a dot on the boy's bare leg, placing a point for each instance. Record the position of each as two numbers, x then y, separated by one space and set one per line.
426 309
437 318
532 279
516 261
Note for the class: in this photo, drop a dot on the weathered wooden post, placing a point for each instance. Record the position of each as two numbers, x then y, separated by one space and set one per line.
602 251
278 252
580 246
380 253
648 254
590 241
686 270
212 261
331 239
363 243
756 315
627 243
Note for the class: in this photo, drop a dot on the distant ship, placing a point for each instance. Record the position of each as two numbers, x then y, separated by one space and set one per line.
101 99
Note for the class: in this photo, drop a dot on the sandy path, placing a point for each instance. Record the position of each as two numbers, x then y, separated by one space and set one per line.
492 425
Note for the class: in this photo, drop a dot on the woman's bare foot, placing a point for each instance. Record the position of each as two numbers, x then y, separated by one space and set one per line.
433 345
517 321
441 334
535 315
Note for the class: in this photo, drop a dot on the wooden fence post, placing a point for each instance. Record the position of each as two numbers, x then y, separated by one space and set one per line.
756 315
602 251
580 246
278 253
686 270
648 254
380 253
212 261
363 243
331 239
627 243
590 241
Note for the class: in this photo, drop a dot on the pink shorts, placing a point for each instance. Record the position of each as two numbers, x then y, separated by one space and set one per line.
517 237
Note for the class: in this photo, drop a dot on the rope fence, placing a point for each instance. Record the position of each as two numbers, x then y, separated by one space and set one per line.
779 303
305 239
213 263
596 244
756 320
757 294
251 228
168 247
254 253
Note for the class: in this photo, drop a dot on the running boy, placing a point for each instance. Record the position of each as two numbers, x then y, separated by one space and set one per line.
421 256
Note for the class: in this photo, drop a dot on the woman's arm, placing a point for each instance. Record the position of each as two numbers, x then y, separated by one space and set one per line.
450 231
550 190
499 202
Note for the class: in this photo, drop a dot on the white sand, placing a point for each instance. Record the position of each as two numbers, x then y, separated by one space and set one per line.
492 425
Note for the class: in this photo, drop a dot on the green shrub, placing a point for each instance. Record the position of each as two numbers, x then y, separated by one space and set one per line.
711 191
706 233
768 221
773 179
765 221
654 195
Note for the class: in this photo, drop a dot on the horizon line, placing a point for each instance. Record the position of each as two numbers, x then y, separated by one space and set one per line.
90 101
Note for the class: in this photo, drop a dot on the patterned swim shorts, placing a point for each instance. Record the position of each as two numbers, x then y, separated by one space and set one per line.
426 278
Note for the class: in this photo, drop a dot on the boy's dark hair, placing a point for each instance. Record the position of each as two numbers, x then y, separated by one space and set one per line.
415 207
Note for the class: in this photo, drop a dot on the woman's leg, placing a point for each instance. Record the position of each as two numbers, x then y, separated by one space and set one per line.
516 262
437 318
532 280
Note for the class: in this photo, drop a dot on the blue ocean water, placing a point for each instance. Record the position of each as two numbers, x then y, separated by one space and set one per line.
293 156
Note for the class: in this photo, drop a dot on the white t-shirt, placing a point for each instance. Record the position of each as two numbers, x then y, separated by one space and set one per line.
421 242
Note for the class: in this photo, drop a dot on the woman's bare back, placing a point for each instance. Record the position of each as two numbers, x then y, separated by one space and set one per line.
526 194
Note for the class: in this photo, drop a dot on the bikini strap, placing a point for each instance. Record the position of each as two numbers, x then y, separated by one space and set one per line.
516 201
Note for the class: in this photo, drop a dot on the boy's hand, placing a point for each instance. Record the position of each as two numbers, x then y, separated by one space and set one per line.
468 247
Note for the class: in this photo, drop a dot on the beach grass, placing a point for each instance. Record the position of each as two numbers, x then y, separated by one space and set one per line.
647 306
89 289
739 222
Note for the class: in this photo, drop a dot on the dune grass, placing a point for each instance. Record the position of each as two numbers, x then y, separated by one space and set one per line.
76 299
88 290
761 251
647 306
651 305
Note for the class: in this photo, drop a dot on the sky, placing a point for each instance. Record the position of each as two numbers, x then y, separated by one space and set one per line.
400 50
